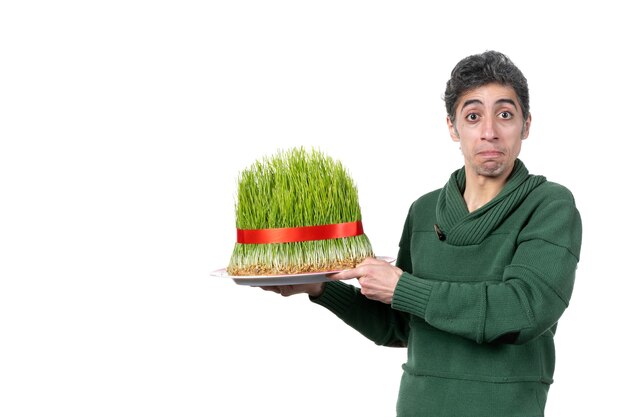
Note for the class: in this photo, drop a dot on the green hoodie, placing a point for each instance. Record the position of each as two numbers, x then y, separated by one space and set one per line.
479 300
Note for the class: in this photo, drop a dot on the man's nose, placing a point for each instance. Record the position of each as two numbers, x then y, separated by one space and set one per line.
488 131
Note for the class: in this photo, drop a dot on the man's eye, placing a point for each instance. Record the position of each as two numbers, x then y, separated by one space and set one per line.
472 117
506 115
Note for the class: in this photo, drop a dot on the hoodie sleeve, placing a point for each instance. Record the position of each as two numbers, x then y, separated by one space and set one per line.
374 320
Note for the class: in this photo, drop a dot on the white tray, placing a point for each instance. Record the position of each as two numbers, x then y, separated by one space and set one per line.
288 279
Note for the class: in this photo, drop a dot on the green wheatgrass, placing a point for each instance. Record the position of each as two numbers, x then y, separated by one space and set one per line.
295 188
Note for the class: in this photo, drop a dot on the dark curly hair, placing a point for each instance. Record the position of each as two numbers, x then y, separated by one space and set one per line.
480 69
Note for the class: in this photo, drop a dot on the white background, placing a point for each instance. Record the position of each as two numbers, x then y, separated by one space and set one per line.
124 125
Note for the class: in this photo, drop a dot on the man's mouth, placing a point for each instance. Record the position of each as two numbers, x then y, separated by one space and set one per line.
490 154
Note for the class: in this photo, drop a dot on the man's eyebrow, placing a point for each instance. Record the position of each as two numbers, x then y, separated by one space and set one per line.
500 101
470 102
508 101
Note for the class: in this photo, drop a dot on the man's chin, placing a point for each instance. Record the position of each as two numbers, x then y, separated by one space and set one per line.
491 169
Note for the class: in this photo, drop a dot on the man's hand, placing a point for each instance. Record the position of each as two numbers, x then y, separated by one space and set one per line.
314 290
378 278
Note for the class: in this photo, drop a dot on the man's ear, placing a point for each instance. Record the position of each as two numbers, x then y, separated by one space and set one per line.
526 130
454 134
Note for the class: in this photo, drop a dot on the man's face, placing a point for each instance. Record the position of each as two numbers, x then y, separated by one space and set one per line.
490 128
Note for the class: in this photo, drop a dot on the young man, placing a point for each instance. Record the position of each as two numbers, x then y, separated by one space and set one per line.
485 267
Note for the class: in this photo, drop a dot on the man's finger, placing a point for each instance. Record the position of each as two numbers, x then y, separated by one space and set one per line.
346 274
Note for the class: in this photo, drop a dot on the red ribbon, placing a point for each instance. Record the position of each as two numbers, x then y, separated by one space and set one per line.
299 234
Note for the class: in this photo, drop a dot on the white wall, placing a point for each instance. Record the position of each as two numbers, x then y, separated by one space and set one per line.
124 125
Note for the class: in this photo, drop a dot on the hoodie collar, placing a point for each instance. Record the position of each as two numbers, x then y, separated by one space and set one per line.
461 227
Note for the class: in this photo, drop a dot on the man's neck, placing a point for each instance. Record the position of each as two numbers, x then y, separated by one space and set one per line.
480 189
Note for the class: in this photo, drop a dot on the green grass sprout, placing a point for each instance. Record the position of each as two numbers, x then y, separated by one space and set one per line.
296 187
